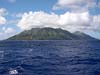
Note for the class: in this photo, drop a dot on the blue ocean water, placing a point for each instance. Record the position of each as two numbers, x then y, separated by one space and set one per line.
67 57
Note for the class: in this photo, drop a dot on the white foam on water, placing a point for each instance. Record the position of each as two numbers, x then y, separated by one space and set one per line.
13 72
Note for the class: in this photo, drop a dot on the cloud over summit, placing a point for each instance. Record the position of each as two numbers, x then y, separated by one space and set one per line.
38 19
69 20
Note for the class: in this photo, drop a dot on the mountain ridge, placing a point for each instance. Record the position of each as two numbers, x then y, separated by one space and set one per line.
50 34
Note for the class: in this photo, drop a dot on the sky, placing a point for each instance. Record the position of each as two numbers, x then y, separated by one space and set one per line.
70 15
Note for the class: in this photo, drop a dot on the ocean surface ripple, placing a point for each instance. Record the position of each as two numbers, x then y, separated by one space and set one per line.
67 57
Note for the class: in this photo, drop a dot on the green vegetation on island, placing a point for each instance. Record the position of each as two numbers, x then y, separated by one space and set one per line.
50 34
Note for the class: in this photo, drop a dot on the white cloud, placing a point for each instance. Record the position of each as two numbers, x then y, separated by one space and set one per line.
75 21
75 18
38 19
12 1
18 15
74 5
95 24
2 11
7 32
69 21
2 18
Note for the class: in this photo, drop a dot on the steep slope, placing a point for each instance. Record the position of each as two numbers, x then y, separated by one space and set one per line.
83 36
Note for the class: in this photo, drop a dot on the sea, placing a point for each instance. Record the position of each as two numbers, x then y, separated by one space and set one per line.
50 57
